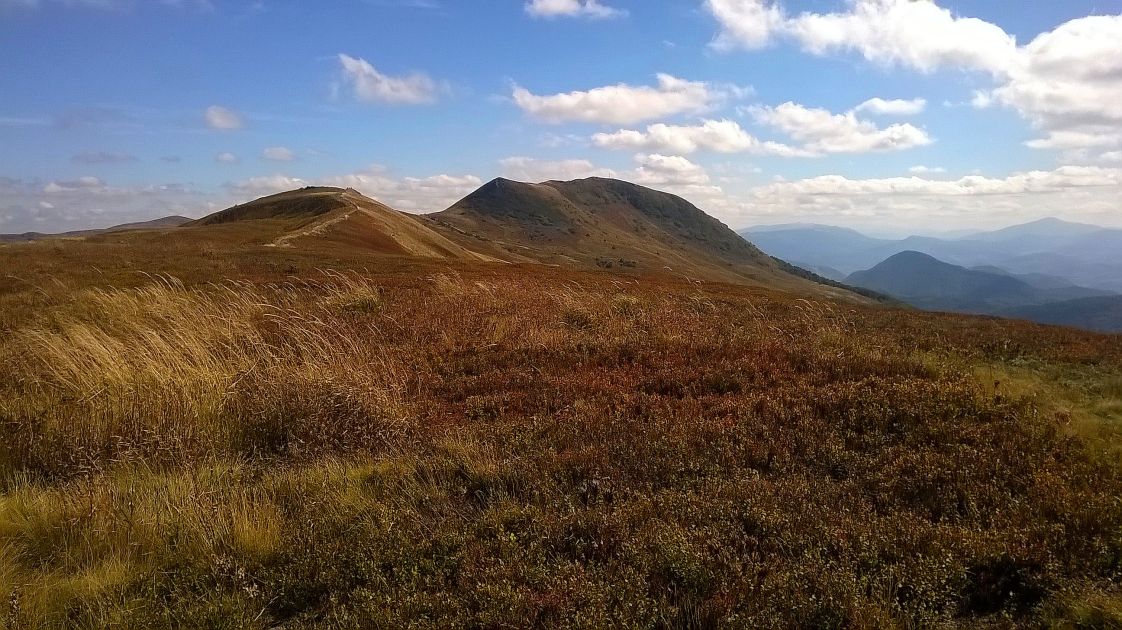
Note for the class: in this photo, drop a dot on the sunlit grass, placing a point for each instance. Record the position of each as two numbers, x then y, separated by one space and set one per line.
513 449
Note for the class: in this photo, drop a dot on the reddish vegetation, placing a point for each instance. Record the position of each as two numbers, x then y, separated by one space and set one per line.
425 443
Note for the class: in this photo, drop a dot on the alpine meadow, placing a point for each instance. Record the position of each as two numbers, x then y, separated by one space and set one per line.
518 371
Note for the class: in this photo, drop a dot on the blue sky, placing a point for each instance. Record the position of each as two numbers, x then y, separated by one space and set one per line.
990 112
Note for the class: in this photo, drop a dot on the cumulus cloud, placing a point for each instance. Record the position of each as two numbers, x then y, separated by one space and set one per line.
720 136
1087 193
266 185
893 107
822 131
223 119
369 85
677 175
670 173
528 169
278 154
572 8
408 194
919 35
622 103
1067 82
226 158
88 202
656 169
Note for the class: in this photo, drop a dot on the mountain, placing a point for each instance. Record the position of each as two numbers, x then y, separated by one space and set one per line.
1093 313
926 282
929 283
1081 254
823 246
154 224
1056 287
1095 274
609 223
337 217
590 224
1041 235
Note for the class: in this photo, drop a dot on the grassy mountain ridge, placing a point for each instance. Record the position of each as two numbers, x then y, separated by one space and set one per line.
605 223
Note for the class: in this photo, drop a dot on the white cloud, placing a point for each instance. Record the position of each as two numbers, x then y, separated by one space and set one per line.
924 170
1062 178
88 202
528 169
278 154
982 99
894 107
1078 139
655 169
226 157
622 103
1111 156
369 85
266 185
747 24
572 8
824 132
1067 82
1078 192
408 194
721 136
221 118
920 35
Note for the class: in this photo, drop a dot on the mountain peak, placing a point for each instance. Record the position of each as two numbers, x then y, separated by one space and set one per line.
609 223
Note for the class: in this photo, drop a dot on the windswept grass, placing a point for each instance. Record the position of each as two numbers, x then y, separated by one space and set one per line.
496 449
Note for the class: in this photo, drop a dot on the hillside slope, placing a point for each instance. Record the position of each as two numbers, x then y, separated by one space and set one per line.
340 217
613 224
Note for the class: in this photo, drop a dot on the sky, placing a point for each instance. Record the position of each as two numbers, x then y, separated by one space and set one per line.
891 116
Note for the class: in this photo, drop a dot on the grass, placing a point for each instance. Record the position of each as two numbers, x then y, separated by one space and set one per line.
490 446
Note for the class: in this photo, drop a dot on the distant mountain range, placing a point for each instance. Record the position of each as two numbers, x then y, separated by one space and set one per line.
1050 271
1081 254
926 282
165 222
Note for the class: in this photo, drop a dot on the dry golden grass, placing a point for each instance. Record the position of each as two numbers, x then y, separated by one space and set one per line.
514 447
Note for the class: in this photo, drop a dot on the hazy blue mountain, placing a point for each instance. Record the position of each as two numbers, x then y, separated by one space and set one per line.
1061 288
819 245
926 282
1076 254
1094 313
1096 275
1100 246
1042 235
